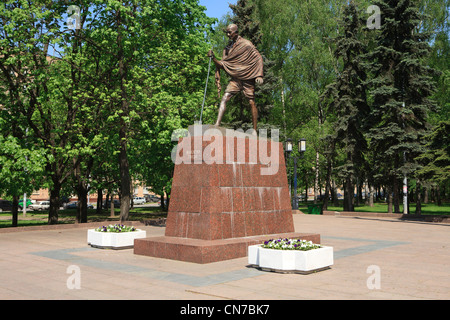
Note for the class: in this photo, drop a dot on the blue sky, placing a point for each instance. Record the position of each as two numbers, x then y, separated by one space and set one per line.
217 8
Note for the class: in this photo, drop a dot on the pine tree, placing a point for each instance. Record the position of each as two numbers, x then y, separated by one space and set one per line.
348 94
401 87
436 161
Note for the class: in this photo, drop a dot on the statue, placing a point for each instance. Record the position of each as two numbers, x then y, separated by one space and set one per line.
244 64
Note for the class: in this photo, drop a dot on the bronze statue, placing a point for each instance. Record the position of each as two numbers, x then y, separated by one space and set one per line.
244 64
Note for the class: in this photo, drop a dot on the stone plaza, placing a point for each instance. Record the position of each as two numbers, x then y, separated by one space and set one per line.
375 258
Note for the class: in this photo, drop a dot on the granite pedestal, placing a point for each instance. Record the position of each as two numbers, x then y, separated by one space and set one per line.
229 191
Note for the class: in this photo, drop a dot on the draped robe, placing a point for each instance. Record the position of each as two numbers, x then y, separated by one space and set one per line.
242 61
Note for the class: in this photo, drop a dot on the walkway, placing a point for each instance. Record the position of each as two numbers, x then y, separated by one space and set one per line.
375 258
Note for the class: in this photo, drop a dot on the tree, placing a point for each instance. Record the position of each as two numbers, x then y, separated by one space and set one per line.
436 23
155 83
21 168
436 161
401 90
22 162
27 31
118 68
299 38
350 102
176 73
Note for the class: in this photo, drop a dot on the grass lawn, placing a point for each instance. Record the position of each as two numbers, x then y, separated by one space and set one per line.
381 207
69 216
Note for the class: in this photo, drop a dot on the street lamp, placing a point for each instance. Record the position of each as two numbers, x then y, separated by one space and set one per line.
302 145
288 151
288 145
301 149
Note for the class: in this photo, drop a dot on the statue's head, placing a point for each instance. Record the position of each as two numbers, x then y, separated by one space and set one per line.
232 31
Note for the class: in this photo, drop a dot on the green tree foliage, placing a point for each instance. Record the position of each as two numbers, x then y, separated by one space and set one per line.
176 74
349 101
94 107
21 168
436 23
298 36
401 90
27 31
129 72
153 82
436 161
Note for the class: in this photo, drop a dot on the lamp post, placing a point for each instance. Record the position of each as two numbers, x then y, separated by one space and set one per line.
301 150
295 198
288 150
405 181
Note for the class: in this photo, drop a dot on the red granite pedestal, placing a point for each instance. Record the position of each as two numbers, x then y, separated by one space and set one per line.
229 191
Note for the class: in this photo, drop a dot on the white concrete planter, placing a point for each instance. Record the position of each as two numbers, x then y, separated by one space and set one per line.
113 240
290 260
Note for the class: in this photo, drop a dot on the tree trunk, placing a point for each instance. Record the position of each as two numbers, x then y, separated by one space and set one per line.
167 200
284 109
15 210
327 184
125 179
111 207
418 199
396 195
389 198
99 201
366 193
131 194
306 187
54 203
163 205
82 193
316 179
438 196
335 197
378 193
372 191
348 195
107 200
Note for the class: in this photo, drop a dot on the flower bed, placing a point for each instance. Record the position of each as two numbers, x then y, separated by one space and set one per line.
290 255
116 236
116 228
290 244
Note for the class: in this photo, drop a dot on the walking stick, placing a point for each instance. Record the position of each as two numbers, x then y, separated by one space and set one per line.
206 87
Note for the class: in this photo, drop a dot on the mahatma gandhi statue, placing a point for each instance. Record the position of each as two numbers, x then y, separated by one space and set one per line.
244 64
